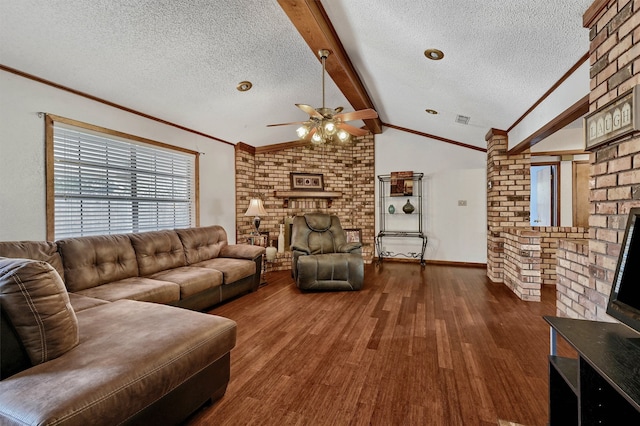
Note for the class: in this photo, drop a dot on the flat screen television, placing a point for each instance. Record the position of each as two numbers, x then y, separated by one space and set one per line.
624 300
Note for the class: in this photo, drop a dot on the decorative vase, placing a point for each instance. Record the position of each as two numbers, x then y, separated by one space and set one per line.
281 239
408 208
392 209
271 253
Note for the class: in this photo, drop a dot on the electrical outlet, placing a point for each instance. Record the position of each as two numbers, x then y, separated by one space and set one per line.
462 203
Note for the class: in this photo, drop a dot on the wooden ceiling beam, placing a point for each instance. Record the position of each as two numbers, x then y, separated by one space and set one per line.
313 24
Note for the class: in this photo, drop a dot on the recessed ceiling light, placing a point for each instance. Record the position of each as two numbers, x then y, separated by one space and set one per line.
243 86
434 54
431 111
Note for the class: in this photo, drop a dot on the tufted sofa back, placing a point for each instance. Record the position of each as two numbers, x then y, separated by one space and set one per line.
46 251
202 243
157 251
96 260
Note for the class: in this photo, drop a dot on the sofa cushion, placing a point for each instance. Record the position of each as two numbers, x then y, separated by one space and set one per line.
135 288
130 355
80 302
157 251
46 251
96 260
232 269
202 243
191 280
35 302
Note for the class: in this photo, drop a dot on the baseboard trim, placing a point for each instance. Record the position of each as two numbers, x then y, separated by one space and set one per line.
435 262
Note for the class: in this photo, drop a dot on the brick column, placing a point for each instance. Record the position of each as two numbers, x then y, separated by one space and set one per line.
522 262
508 195
615 168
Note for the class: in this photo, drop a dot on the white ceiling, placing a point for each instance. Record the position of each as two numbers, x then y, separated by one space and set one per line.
180 60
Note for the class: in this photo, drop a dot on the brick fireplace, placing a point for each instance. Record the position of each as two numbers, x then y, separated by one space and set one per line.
347 169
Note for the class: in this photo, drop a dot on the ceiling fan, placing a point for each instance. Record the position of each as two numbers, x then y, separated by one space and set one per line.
327 124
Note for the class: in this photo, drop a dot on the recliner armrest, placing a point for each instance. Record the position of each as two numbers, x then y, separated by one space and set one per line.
302 250
349 247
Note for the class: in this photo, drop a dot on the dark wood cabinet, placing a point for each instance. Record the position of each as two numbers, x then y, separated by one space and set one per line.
601 386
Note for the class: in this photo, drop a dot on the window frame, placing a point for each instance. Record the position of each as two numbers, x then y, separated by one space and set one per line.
51 119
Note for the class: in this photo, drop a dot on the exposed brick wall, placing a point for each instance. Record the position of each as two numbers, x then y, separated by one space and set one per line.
508 195
245 188
508 204
348 169
549 238
522 262
577 296
615 167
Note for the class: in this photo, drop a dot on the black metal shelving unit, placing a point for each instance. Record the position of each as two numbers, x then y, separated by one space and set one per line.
400 224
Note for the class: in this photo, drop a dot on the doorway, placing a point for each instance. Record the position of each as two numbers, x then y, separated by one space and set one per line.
581 193
544 205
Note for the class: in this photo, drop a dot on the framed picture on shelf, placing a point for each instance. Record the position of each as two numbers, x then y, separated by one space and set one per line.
401 184
354 235
306 181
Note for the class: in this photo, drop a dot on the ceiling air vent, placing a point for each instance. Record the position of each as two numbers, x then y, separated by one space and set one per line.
462 119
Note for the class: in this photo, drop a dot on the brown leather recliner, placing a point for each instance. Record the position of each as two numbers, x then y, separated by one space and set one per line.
322 258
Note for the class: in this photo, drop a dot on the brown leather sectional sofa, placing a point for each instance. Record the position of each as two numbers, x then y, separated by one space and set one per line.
80 344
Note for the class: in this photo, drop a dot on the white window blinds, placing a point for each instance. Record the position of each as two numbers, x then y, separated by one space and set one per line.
105 185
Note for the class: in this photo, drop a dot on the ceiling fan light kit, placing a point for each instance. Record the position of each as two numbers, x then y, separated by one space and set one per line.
327 125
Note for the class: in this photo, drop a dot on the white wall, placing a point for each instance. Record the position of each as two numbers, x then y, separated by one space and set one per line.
22 163
452 173
568 93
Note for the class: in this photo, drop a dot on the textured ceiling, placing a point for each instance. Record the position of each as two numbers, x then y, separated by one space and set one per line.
181 60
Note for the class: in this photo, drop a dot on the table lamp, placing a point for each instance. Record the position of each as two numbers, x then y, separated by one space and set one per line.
256 209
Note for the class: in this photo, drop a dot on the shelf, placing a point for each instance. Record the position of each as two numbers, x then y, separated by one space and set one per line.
286 195
568 370
601 386
400 224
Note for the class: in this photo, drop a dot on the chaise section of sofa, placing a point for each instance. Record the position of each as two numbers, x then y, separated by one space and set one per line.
126 362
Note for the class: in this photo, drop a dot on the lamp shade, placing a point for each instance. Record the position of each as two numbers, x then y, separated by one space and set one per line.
256 208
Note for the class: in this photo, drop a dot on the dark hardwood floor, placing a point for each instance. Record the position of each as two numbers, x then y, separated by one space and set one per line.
440 345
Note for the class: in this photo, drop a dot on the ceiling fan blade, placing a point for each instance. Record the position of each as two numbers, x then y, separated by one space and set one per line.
286 124
310 110
363 114
352 129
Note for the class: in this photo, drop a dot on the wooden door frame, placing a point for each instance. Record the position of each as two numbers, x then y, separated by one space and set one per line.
574 193
555 203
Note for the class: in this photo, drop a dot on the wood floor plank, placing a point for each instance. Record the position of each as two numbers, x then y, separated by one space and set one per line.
434 345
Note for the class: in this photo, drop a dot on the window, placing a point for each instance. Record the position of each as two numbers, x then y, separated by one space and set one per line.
101 181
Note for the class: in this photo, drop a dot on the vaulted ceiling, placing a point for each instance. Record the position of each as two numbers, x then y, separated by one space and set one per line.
181 60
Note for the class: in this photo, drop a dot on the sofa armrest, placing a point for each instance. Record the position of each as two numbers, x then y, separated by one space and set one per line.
242 251
349 247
